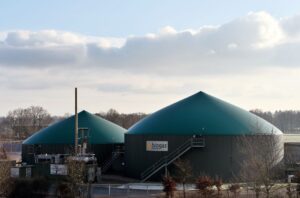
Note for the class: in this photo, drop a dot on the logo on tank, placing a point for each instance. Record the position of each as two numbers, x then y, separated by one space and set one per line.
156 145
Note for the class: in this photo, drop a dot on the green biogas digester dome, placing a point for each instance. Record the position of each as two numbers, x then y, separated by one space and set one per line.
58 138
100 130
202 114
201 129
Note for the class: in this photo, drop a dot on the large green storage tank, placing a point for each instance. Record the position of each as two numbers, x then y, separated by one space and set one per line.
217 122
103 137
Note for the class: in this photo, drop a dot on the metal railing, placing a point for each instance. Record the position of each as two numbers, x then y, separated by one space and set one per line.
156 190
168 159
126 190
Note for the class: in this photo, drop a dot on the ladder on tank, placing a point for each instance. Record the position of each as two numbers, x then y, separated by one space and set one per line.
171 157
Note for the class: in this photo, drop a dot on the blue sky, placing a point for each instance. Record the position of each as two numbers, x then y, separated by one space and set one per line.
130 17
139 56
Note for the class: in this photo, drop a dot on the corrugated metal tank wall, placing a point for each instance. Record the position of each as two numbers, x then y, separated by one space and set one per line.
221 155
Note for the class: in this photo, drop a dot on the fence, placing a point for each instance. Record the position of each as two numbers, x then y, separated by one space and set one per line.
156 190
125 190
11 146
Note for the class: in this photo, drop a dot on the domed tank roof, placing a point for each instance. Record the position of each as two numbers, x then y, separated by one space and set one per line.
100 131
202 114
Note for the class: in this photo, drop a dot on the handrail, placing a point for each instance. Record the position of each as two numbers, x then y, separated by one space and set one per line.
168 159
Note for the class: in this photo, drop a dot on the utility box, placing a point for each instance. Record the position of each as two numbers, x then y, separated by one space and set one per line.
21 171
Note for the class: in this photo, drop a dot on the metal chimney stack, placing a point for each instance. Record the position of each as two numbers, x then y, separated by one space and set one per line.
76 123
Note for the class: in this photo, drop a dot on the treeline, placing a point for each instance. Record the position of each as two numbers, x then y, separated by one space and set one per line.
23 122
122 119
286 121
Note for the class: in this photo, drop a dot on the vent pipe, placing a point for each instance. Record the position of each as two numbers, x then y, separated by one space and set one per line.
76 124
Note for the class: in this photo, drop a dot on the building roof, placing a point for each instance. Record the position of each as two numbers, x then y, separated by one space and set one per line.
202 114
100 131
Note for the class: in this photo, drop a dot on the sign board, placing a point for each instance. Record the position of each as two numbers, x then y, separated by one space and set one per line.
14 172
156 145
58 169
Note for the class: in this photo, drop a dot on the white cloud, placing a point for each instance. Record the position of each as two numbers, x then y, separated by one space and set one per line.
232 46
43 38
258 40
241 60
291 25
167 30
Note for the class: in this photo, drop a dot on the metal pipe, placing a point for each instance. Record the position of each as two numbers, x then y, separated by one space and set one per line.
76 123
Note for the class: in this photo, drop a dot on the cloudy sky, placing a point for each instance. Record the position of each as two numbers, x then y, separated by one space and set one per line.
139 56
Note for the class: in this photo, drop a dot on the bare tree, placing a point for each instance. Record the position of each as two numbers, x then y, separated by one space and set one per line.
169 185
261 163
124 120
183 173
4 177
286 121
24 122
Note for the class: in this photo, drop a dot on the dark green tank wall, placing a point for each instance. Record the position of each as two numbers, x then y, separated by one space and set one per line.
220 156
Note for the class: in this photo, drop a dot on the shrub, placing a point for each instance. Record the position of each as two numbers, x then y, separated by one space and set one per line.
4 176
169 186
218 183
235 189
204 184
28 188
63 190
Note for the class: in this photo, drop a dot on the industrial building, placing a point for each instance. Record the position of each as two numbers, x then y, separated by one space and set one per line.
103 138
201 129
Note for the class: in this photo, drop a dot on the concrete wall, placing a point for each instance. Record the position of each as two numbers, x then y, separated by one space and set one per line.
291 138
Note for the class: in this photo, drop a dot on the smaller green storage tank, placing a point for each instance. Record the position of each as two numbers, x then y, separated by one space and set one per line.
103 138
